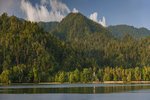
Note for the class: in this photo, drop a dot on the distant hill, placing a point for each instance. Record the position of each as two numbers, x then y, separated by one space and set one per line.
48 26
121 30
77 25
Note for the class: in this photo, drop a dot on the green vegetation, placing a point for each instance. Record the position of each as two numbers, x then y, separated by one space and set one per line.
104 74
121 30
76 52
47 26
75 26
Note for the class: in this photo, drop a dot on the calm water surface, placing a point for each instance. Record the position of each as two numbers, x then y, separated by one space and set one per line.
76 92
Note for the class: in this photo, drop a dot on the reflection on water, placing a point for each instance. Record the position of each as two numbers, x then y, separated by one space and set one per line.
74 88
76 92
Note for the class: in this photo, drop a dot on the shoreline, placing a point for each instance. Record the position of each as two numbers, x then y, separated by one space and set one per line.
105 82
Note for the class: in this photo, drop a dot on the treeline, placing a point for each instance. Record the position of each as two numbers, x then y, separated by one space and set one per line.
84 76
105 74
29 54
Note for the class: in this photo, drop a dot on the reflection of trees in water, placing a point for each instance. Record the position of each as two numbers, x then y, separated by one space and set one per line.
94 90
84 90
119 89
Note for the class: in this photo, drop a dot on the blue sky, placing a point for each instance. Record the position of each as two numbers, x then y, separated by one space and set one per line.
131 12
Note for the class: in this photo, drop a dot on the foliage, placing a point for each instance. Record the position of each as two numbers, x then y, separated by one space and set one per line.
76 25
87 52
121 30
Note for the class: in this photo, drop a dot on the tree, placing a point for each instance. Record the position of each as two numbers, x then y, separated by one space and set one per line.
71 77
18 73
77 75
86 75
5 77
36 74
99 75
129 75
107 74
61 77
137 74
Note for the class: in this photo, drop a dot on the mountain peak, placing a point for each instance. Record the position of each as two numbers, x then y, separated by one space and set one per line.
74 16
77 25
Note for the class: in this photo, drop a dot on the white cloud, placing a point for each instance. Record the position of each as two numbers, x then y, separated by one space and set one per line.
58 6
103 22
94 17
75 10
41 13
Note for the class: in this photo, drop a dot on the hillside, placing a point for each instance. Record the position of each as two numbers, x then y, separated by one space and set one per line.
26 51
48 26
76 25
77 48
121 30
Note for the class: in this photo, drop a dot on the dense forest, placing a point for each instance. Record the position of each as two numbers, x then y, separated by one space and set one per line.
121 30
74 50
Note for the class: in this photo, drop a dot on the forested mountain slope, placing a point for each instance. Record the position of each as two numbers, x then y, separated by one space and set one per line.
121 30
76 25
48 26
71 52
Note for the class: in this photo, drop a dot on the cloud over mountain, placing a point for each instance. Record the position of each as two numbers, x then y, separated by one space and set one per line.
94 17
75 10
44 10
58 10
40 12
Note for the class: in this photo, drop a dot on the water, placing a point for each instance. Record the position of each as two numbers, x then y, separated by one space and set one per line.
76 92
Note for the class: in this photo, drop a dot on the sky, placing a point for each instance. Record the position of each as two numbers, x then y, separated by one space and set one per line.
105 12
